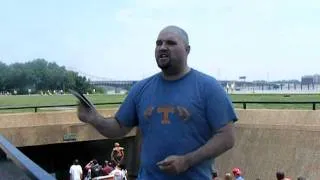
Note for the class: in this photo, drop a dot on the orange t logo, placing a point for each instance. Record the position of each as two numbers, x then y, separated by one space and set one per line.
165 114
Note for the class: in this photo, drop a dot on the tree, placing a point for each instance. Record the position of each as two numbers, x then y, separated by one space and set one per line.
3 76
40 75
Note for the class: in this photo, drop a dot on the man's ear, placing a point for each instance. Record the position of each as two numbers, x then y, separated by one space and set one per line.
188 48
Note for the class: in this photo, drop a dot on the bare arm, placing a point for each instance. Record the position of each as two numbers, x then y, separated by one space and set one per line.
108 127
112 155
222 141
88 166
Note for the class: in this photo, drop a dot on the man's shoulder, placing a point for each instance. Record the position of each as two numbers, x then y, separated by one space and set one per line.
144 82
209 86
204 76
206 82
147 79
74 168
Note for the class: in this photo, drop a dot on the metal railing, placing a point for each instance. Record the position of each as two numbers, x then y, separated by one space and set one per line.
244 104
36 107
31 169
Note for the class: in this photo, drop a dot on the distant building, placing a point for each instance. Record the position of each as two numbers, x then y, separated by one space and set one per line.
316 79
310 79
307 79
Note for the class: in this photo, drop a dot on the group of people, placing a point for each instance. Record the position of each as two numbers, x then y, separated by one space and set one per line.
115 167
236 175
281 176
94 169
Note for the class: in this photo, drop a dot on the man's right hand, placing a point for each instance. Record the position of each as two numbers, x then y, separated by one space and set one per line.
85 114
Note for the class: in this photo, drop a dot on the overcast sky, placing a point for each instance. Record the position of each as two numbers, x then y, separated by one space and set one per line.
261 39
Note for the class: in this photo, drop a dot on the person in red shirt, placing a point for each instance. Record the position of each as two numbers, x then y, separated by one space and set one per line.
106 170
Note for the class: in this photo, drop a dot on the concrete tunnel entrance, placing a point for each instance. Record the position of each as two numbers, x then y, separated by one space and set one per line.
57 158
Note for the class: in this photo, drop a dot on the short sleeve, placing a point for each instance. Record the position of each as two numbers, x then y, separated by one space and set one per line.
219 107
127 114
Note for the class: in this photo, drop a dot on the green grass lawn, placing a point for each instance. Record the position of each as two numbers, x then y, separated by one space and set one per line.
37 100
54 100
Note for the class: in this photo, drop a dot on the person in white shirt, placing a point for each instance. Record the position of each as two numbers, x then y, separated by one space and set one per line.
124 171
75 171
118 173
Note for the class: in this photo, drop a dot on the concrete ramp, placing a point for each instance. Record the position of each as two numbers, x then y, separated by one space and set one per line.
9 171
272 140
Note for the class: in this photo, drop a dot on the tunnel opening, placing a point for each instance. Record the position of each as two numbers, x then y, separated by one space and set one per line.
56 159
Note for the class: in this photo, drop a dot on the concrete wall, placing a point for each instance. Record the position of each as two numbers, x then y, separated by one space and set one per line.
43 118
272 140
267 140
29 129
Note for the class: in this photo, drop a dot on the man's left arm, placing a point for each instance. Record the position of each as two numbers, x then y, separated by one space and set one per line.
219 143
220 115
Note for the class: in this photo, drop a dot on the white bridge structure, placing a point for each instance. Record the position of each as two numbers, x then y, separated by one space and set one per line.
233 87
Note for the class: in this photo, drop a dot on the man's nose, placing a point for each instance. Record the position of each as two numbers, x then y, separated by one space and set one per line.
163 47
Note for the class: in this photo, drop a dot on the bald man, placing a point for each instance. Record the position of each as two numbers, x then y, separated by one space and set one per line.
185 116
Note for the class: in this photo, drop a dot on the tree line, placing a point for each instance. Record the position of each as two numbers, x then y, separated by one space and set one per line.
40 75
